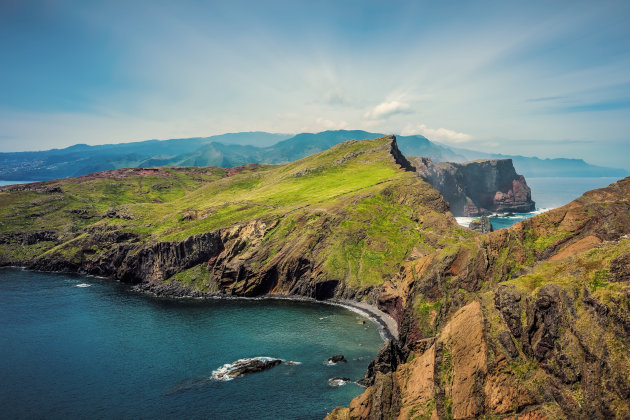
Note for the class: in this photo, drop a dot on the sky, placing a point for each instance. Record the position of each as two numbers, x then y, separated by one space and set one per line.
537 78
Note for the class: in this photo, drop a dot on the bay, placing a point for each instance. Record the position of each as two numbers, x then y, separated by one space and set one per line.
84 347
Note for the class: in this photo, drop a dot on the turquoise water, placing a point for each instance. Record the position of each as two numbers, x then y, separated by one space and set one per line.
14 182
73 346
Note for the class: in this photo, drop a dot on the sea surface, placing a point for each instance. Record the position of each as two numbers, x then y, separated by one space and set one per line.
548 193
2 183
83 347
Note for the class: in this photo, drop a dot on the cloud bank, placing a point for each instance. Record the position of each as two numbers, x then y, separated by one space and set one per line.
387 109
439 134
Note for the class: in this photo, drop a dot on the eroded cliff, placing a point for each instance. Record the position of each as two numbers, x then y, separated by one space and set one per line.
479 187
531 322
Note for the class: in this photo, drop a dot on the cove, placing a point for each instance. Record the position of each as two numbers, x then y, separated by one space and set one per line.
76 346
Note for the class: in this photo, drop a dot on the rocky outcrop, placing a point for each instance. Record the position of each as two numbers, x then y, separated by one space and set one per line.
479 187
338 358
482 225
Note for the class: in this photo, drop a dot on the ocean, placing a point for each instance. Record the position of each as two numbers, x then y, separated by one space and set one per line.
548 193
83 347
2 183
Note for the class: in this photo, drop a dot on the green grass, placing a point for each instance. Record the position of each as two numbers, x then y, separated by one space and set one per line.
426 313
196 278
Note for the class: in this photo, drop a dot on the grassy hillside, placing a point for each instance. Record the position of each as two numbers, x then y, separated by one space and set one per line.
352 212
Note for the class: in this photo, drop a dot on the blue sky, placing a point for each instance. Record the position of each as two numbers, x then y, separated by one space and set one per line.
536 78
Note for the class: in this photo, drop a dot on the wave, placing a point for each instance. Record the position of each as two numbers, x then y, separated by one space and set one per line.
513 217
338 381
82 285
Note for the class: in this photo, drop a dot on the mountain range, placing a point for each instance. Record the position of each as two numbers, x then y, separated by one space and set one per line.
233 149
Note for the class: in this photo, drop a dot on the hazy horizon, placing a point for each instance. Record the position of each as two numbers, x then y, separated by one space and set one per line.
536 79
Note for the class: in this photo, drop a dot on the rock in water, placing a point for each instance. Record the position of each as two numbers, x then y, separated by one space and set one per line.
244 366
337 358
482 225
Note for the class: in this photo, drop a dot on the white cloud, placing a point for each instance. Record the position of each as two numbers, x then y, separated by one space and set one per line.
440 134
387 109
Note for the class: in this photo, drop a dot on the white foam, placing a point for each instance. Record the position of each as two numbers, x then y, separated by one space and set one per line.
465 221
337 382
82 285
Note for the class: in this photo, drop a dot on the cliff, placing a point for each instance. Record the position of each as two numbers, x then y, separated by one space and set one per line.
479 187
530 322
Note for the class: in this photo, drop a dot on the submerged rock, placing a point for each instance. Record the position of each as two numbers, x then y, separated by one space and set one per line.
244 366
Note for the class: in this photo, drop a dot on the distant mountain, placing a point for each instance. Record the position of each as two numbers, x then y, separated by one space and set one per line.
235 149
82 159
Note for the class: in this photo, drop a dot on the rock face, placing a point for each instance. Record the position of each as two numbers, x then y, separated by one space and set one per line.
479 187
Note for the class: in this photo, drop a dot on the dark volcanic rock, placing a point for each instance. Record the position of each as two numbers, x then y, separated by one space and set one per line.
483 225
478 187
620 269
388 359
543 331
506 300
245 366
337 358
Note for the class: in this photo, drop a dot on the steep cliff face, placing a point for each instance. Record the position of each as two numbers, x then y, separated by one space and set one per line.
530 323
479 187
